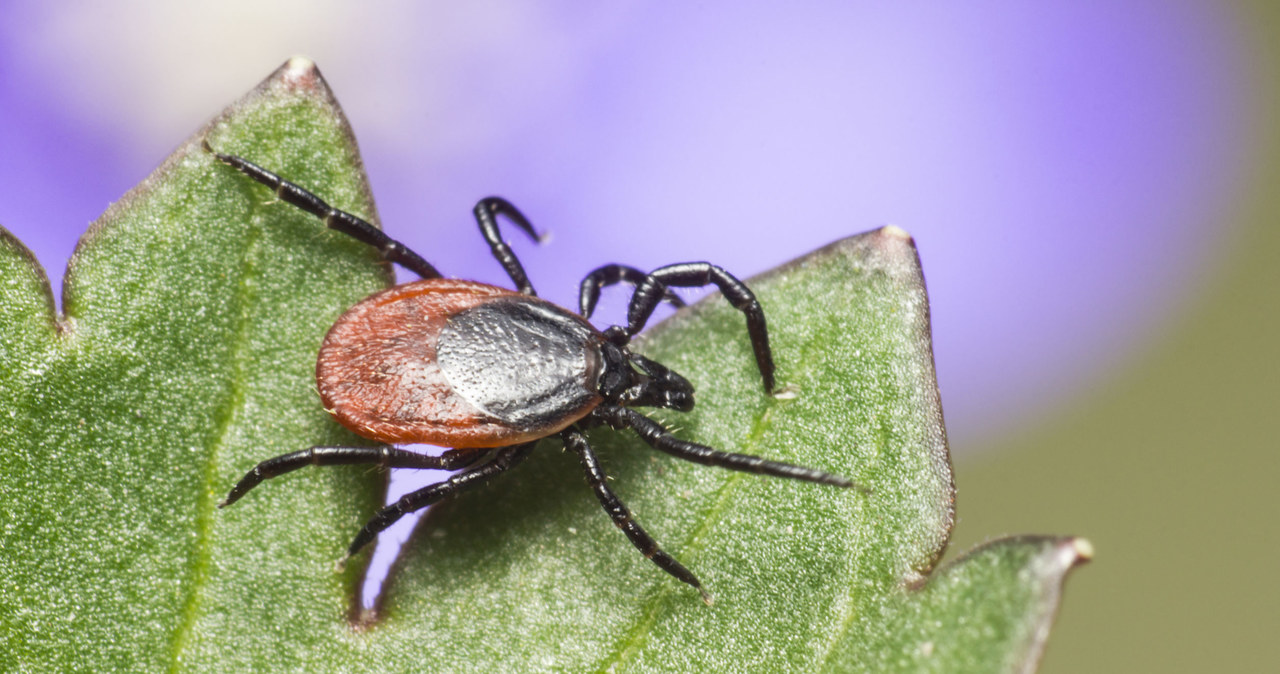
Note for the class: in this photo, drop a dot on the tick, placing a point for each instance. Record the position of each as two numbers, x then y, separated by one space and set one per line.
488 372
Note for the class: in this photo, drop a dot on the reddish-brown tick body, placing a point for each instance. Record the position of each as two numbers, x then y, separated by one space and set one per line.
458 364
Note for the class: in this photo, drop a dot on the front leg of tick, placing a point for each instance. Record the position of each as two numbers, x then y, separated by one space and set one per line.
575 441
333 218
487 212
654 288
613 274
662 440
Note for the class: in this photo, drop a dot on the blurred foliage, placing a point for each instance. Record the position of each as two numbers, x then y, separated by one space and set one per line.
1167 463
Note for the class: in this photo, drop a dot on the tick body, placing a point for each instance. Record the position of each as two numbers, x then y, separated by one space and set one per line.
488 372
459 364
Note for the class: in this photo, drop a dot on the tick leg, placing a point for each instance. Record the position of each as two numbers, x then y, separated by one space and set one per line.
342 221
487 212
575 441
612 274
385 456
654 287
662 440
504 460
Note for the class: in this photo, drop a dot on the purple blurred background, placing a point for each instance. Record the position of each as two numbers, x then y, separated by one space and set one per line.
1066 167
1063 166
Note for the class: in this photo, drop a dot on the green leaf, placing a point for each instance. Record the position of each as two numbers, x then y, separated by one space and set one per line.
194 309
989 611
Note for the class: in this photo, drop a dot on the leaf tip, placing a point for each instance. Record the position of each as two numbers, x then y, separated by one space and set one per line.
1080 550
894 242
300 72
299 64
299 76
895 232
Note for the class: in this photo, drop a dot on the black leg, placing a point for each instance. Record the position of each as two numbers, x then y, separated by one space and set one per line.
505 459
342 221
575 441
654 288
487 212
611 274
385 456
662 440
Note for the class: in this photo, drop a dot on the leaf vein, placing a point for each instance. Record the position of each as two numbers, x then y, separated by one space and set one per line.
225 416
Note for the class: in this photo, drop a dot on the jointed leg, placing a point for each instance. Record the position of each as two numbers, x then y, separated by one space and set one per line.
487 212
611 274
575 441
505 459
385 456
662 440
654 288
342 221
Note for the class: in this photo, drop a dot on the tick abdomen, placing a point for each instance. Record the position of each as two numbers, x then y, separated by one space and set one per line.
458 364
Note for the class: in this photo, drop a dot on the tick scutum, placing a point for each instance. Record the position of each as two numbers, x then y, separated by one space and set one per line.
524 361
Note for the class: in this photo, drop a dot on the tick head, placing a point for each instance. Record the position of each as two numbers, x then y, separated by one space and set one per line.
654 385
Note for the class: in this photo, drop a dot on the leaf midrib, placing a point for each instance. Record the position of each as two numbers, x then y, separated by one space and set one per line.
224 418
635 640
